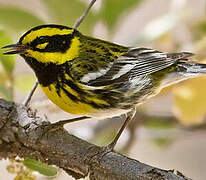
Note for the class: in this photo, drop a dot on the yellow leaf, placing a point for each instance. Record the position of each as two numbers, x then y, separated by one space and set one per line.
190 101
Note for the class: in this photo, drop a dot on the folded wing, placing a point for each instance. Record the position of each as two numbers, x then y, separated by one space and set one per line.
138 62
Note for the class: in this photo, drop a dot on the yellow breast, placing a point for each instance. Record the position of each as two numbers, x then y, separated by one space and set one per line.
67 104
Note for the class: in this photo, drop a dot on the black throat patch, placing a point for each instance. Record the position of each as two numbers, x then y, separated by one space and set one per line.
46 73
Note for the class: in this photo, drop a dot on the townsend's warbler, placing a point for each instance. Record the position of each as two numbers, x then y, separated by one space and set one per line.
87 76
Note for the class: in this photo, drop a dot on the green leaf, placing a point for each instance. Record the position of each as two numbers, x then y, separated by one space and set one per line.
24 82
159 122
202 26
17 19
8 62
112 10
199 29
40 167
163 141
5 92
67 12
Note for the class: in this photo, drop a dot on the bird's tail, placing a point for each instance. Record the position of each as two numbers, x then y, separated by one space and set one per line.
191 69
185 70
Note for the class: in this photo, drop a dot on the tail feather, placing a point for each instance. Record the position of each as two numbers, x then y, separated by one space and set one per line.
191 69
180 56
184 70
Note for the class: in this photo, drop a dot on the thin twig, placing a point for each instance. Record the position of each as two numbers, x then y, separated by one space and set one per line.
81 18
76 24
28 98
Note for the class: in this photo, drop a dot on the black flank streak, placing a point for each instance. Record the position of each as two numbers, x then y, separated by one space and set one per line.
74 87
72 97
98 106
58 89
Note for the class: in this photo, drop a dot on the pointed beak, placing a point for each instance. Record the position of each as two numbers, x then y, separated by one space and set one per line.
15 49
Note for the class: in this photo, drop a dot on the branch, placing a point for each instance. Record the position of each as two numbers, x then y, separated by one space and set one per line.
28 98
25 135
81 18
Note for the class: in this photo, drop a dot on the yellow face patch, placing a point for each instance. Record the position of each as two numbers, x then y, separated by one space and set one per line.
42 46
45 32
57 57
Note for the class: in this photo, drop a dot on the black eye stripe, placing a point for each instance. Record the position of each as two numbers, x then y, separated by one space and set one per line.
56 43
39 40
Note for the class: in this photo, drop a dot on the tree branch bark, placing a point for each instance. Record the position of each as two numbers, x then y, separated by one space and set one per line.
25 135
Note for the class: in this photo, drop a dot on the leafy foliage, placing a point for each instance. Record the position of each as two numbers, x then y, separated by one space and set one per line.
112 10
67 12
190 101
4 91
7 61
18 20
42 168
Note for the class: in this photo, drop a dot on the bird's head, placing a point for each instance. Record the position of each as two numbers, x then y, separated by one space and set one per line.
47 44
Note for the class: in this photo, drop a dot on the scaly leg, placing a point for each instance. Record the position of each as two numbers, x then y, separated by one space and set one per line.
130 116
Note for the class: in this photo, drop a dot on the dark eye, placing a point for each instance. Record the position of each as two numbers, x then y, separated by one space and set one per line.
64 42
42 39
40 42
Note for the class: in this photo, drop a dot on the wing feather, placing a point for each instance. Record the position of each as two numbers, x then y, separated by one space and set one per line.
138 62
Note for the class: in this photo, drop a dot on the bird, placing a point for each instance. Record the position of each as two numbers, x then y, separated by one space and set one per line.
91 77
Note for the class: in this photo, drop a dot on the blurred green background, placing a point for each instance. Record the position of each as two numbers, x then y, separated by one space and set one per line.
169 130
